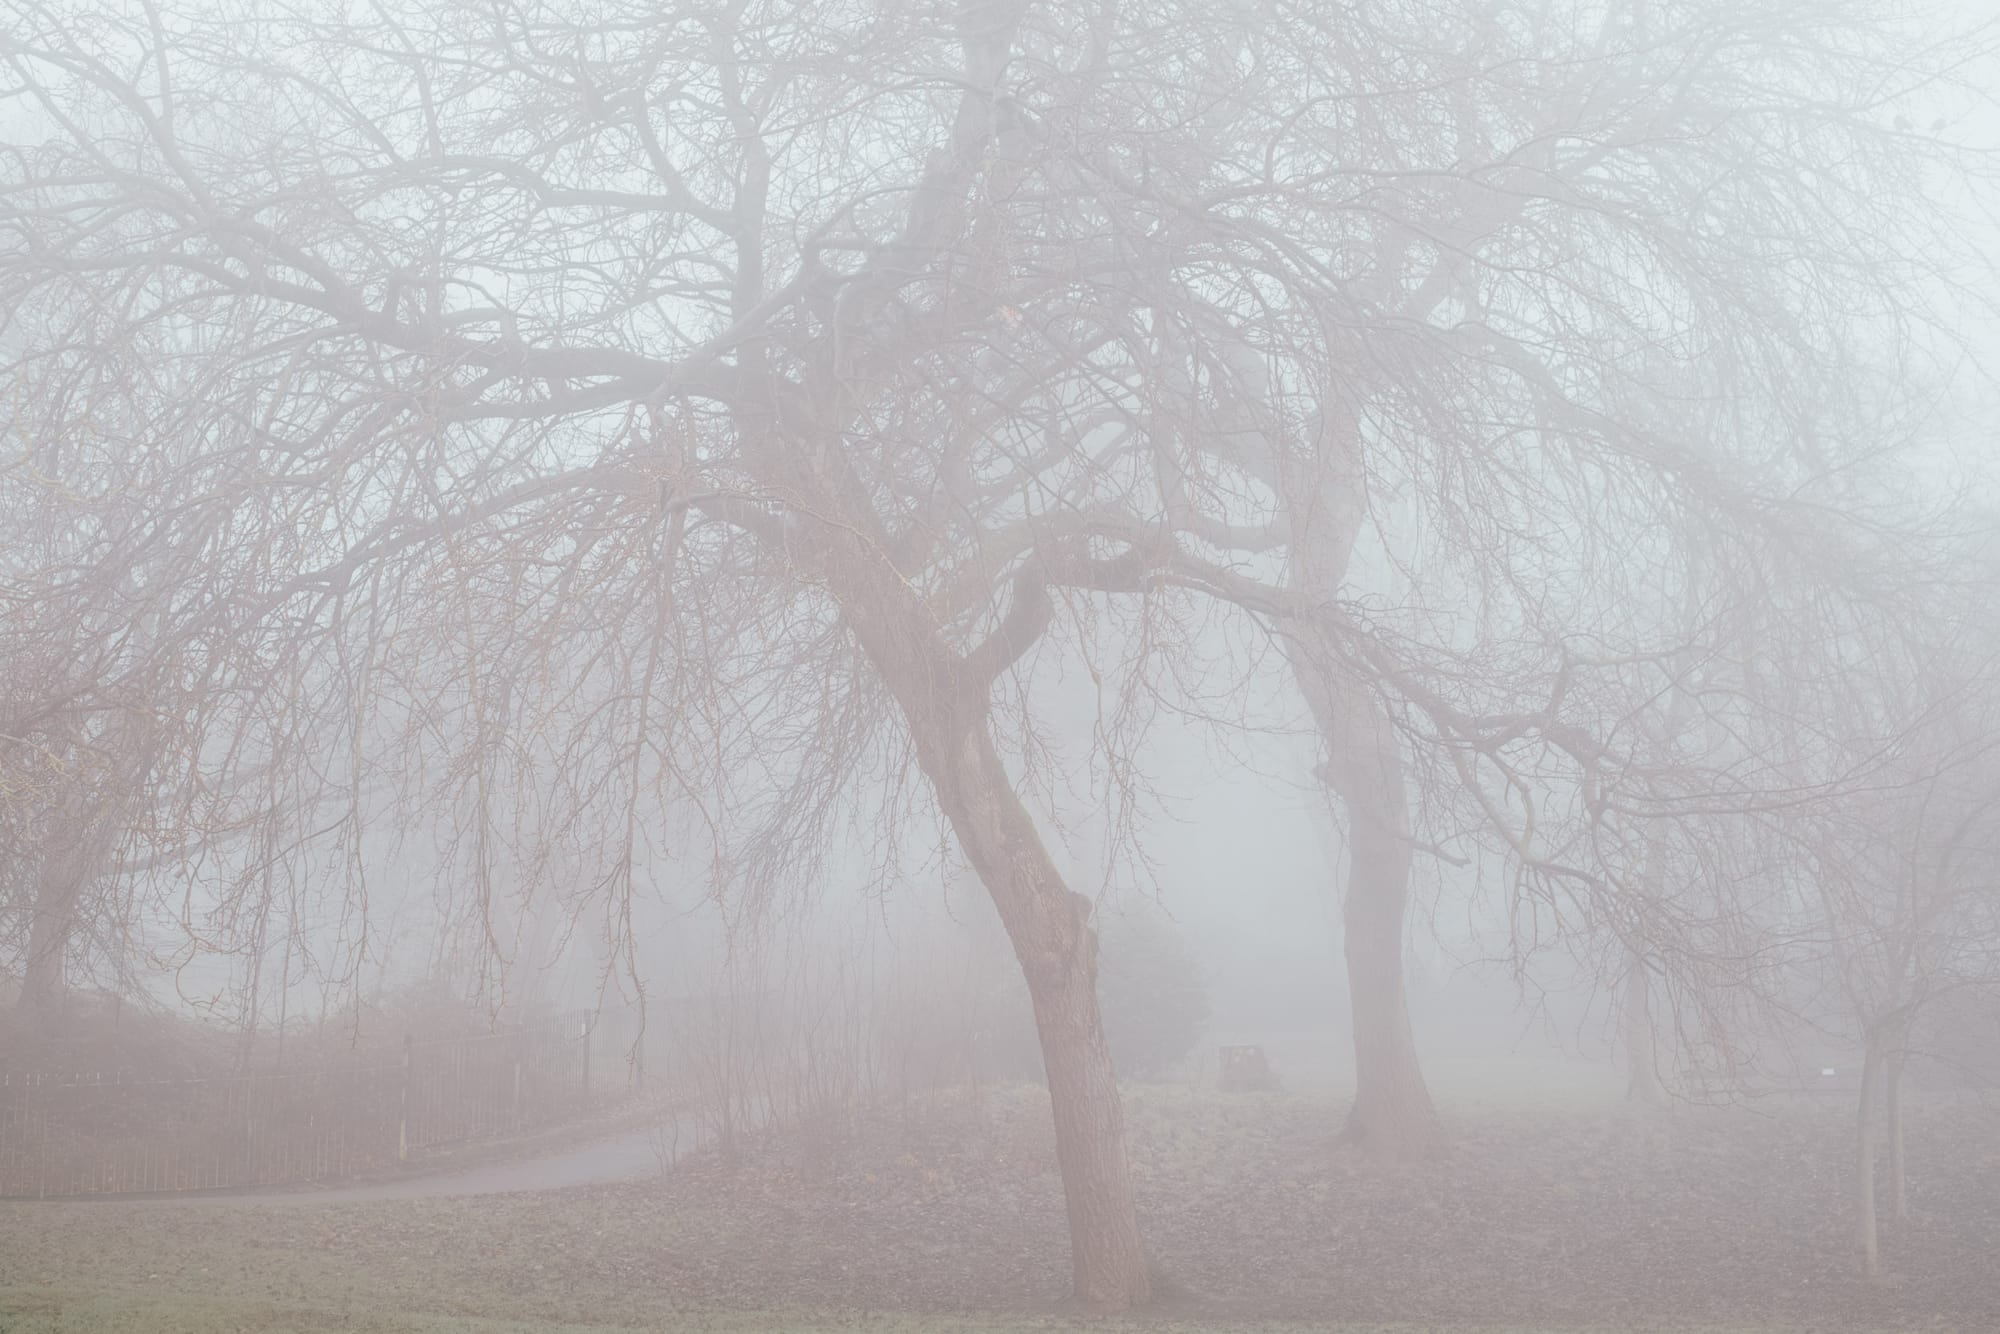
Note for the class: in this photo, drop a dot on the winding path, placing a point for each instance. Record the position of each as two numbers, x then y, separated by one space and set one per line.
621 1155
627 1156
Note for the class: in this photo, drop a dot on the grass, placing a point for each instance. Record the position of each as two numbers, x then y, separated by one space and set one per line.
40 1311
1537 1221
182 1267
193 1268
28 1311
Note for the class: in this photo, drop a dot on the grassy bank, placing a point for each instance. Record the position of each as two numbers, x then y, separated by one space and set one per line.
950 1218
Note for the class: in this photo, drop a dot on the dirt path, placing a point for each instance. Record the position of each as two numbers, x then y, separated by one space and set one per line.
622 1157
623 1154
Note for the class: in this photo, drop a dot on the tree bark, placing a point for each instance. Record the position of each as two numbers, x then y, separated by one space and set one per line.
1866 1235
1048 926
1392 1116
1050 929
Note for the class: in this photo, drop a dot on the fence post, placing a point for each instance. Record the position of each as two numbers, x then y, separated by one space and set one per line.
403 1107
41 1104
517 1085
583 1035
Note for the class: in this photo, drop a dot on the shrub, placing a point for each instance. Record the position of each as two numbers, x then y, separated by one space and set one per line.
1152 993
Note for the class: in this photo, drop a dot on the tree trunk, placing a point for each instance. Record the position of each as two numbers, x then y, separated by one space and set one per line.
48 941
1107 1260
1326 506
1392 1116
1048 925
1865 1234
78 851
1899 1203
1641 1048
1057 949
64 872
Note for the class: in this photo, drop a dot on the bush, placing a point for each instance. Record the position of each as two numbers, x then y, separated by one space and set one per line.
1152 993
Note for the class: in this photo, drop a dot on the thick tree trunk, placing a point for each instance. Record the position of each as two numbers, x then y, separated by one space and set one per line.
1866 1236
1048 925
1899 1202
1643 1087
1107 1259
65 871
1326 505
1392 1116
1050 929
48 942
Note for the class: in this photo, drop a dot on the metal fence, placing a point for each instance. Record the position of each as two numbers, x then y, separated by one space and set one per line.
69 1134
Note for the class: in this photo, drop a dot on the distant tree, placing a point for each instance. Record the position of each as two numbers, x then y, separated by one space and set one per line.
86 725
119 665
1906 876
1536 330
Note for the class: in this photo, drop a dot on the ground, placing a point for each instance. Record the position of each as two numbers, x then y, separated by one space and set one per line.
947 1215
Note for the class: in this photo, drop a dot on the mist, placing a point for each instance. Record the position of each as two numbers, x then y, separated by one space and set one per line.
975 664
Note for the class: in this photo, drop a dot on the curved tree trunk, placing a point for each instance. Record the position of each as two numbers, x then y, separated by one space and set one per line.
1050 929
1048 925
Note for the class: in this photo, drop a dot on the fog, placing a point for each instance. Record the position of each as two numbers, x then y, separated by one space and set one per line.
980 664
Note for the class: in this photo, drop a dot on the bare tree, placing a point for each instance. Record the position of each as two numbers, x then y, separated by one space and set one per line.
438 453
722 407
1904 874
1491 372
94 700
